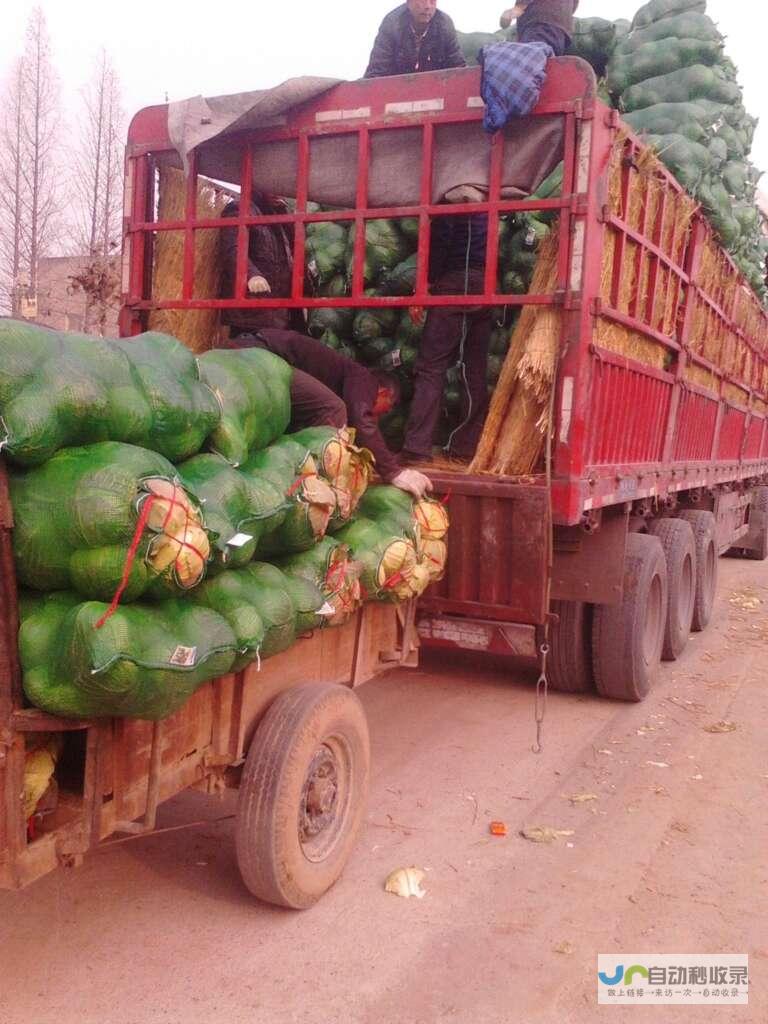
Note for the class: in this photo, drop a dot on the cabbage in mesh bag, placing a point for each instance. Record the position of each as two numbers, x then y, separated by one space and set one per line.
77 516
144 662
328 567
341 463
391 567
240 509
293 472
425 521
65 389
253 387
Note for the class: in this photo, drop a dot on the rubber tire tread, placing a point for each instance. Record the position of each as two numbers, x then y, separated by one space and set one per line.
677 540
704 532
760 506
617 633
266 827
569 666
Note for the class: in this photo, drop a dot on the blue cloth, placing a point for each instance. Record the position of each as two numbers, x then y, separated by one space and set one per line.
513 76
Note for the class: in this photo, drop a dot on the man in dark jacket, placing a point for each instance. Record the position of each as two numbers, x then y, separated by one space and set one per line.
543 21
415 37
453 334
269 270
330 390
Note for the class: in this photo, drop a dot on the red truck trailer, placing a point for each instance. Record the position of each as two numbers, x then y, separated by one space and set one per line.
658 452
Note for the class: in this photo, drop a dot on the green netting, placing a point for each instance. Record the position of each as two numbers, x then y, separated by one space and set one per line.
339 321
342 464
401 280
689 161
689 83
254 389
276 607
687 25
658 9
144 662
385 247
290 468
694 120
371 324
327 566
308 602
653 60
389 561
183 411
235 506
327 248
75 519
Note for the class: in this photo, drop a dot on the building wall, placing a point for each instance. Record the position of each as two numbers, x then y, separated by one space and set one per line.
60 308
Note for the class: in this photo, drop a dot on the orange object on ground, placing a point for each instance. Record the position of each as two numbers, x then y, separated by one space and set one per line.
498 828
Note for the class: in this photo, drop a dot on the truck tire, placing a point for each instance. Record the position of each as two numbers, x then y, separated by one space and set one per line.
758 525
679 546
627 638
303 794
705 535
569 665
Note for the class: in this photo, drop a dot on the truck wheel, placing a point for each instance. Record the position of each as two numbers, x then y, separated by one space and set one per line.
679 546
627 638
758 525
705 535
569 665
303 794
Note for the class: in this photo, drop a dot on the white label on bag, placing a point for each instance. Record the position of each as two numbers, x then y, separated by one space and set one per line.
327 610
239 540
184 657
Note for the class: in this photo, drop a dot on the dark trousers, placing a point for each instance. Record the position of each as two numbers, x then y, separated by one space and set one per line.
314 405
440 349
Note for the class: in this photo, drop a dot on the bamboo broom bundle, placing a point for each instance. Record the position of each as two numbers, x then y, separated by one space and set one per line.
518 419
197 328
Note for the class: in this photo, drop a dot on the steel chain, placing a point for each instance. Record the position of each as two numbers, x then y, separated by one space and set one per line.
542 692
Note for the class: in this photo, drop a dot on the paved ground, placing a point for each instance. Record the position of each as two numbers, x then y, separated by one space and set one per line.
667 859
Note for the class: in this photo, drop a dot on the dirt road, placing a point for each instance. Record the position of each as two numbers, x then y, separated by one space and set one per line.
669 857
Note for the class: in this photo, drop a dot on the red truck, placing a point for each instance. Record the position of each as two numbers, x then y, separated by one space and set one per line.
658 454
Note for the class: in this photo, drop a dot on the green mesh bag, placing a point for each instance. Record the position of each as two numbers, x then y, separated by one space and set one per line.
651 60
254 389
689 83
290 468
686 25
391 568
183 409
271 595
239 509
76 517
371 324
144 662
655 10
309 604
65 389
385 247
345 467
326 248
327 566
338 321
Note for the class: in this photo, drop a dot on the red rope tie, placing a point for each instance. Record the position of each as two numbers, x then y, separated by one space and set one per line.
141 525
298 482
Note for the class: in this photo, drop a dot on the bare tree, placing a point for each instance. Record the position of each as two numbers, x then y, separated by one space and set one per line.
97 183
29 130
12 210
40 130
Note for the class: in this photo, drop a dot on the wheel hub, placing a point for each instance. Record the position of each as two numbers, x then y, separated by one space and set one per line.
318 805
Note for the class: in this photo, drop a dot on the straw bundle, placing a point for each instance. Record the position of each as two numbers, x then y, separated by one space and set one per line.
701 376
639 195
518 418
197 328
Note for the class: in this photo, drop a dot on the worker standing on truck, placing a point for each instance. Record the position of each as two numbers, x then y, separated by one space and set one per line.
543 21
269 269
452 335
415 37
330 390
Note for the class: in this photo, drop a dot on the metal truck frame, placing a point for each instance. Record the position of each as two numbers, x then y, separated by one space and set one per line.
607 557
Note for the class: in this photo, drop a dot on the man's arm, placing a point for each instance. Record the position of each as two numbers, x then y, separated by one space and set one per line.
454 56
367 433
382 60
229 260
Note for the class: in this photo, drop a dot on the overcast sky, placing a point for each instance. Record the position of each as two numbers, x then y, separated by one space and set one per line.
166 47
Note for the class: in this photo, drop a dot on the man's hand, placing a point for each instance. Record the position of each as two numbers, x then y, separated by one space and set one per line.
414 482
511 14
259 285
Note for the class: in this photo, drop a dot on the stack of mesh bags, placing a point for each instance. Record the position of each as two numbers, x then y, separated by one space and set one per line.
675 86
399 544
127 610
389 338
